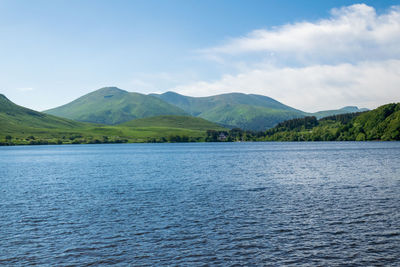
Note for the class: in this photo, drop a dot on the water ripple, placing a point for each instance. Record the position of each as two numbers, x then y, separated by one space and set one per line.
252 204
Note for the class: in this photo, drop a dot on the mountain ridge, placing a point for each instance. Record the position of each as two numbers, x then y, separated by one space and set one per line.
111 105
247 111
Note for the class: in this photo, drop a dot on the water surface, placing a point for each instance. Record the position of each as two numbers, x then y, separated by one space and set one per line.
335 203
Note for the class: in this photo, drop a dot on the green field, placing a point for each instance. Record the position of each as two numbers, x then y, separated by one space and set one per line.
185 122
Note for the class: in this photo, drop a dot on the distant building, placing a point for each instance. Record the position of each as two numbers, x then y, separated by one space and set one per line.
222 136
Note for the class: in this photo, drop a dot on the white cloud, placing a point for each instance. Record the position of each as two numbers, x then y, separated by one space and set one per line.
313 88
354 33
352 58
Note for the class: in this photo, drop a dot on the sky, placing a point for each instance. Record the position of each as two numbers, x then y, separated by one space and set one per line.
311 55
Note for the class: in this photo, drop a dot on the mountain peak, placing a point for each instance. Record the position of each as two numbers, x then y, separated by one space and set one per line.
350 108
110 89
170 93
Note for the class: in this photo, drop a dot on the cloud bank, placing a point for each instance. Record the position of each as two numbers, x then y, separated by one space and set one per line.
351 58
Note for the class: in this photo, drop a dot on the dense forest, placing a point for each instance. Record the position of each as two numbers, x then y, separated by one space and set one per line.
382 123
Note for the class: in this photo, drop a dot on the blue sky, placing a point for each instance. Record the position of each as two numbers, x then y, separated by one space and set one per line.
311 55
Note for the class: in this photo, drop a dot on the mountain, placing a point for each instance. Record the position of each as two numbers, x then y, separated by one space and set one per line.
247 111
382 123
111 105
344 110
173 121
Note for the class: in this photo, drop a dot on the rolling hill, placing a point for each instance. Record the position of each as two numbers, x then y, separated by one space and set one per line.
111 105
247 111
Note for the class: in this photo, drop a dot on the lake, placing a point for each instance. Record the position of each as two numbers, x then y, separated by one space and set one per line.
319 203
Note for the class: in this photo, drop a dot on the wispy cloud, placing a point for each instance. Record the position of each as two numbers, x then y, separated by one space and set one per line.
351 58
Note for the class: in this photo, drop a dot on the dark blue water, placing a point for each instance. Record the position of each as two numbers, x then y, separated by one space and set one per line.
195 204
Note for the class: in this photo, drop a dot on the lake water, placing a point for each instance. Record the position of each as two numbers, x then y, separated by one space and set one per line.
326 204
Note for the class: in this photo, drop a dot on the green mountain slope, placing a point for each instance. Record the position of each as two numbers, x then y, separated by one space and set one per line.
14 118
251 111
197 105
249 117
382 123
173 121
111 105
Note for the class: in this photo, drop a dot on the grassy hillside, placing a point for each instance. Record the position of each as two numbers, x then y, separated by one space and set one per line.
253 112
111 105
172 121
382 123
14 118
197 105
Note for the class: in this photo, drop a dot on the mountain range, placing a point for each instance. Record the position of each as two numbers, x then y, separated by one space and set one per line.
111 105
20 125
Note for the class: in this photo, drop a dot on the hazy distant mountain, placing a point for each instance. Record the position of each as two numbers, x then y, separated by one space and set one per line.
348 109
111 105
255 112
